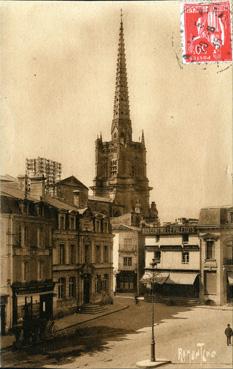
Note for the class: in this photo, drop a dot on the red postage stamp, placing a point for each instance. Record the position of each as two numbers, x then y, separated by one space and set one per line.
207 32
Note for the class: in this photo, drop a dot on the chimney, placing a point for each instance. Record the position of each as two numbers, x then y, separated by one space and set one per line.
37 187
76 198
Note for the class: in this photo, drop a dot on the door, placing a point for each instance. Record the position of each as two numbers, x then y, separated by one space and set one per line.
46 306
3 320
86 290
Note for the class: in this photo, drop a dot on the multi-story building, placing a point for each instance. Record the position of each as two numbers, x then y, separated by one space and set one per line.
82 254
50 169
176 250
121 162
128 258
216 237
26 258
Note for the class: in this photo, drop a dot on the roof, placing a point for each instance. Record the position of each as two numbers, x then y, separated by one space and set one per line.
60 204
7 178
99 198
10 189
124 227
72 181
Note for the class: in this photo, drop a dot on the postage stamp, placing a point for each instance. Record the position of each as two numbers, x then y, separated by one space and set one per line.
206 32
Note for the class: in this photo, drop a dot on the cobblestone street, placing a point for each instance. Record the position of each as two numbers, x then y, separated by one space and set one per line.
123 338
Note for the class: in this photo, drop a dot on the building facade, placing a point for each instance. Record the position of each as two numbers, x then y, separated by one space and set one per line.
26 259
176 249
216 237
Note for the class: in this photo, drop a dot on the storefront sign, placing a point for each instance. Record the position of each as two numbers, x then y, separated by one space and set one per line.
169 230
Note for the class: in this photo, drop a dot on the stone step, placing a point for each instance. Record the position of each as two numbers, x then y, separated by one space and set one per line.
92 309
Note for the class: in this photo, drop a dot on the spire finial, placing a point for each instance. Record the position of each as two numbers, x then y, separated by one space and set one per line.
121 15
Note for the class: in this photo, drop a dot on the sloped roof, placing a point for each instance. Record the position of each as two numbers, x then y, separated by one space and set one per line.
60 204
99 198
11 189
7 178
124 227
72 181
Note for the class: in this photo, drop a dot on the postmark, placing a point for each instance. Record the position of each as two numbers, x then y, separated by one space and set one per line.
206 30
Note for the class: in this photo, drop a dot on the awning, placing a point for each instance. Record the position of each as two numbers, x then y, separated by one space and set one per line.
181 278
154 277
230 278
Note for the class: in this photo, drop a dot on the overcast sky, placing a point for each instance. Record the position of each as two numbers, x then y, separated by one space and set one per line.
58 74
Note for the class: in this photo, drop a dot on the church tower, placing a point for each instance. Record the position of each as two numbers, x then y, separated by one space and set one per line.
121 162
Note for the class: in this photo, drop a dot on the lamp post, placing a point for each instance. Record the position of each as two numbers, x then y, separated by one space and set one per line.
153 265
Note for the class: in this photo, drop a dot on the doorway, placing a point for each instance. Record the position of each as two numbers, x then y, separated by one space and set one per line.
3 320
86 289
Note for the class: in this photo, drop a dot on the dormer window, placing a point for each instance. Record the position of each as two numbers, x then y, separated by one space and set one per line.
72 225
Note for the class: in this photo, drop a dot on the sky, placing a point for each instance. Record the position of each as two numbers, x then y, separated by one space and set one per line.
58 70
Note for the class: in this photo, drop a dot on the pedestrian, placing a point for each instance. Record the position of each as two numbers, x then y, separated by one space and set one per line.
136 299
228 333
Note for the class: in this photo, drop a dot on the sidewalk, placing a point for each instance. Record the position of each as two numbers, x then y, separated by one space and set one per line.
65 325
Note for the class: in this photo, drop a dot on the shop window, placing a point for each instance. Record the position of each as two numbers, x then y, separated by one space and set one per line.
97 254
185 257
72 254
210 283
210 249
61 253
61 288
127 261
72 287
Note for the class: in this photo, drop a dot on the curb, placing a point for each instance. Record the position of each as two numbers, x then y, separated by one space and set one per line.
95 317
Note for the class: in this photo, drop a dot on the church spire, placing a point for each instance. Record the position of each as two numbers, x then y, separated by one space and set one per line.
121 124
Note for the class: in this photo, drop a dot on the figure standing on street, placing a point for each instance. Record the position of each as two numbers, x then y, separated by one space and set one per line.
228 333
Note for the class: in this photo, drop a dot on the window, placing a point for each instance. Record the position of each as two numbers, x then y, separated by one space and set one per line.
72 223
127 261
61 288
98 225
105 254
113 168
40 270
210 283
25 235
185 237
72 254
185 257
19 235
231 217
128 244
105 226
157 256
98 284
40 237
61 253
72 287
25 271
87 254
97 254
209 249
62 220
105 282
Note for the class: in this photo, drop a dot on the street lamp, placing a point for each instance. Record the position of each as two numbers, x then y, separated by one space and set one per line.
152 363
153 265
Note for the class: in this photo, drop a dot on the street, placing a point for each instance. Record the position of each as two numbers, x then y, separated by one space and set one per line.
188 336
